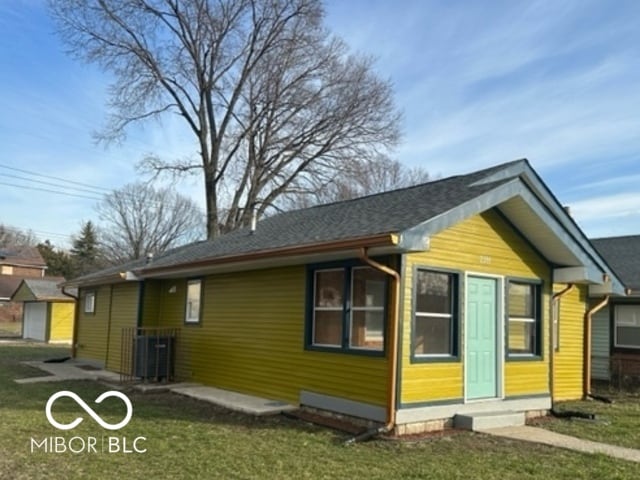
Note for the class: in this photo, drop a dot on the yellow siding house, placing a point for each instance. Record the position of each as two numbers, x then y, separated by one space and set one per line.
409 308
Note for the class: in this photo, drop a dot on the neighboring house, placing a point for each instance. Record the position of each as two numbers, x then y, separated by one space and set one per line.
48 313
407 307
616 329
17 263
25 262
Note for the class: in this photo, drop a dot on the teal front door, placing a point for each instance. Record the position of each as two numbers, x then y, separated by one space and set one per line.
482 338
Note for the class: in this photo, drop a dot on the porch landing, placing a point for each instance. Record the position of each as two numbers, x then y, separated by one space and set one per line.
234 401
489 420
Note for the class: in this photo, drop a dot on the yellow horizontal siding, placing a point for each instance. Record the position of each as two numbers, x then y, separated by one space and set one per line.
569 359
482 244
251 339
124 313
93 328
151 305
61 321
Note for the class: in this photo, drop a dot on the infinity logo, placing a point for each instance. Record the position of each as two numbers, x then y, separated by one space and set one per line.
89 410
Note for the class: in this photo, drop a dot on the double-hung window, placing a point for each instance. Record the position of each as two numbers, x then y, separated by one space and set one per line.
90 302
194 301
435 315
627 326
348 310
524 318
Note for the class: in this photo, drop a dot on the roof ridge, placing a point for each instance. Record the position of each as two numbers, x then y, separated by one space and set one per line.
410 187
617 237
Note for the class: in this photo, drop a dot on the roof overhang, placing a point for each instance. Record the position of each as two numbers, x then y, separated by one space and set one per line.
382 244
530 208
582 274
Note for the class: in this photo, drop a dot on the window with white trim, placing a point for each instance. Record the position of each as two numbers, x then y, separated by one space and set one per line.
435 314
348 311
328 307
627 326
523 307
193 302
366 319
90 302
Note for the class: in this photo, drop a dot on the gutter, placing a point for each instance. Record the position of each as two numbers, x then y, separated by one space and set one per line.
76 315
380 240
588 316
552 337
393 352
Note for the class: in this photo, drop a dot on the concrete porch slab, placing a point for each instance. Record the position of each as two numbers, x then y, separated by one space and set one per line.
69 370
239 402
487 420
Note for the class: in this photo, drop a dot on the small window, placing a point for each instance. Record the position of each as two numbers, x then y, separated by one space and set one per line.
627 322
194 296
348 311
524 318
90 302
435 321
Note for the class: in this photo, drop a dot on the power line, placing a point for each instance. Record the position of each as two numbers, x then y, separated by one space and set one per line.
26 187
54 178
41 182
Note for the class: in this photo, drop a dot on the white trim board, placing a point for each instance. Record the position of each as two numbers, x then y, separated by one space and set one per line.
343 405
438 412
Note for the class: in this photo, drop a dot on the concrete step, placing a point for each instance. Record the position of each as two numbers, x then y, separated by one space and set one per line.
487 420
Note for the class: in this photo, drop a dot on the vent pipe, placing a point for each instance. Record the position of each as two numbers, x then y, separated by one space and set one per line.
254 217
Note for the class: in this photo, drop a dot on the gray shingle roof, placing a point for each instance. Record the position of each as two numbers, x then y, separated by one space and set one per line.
23 255
623 254
8 285
47 288
388 212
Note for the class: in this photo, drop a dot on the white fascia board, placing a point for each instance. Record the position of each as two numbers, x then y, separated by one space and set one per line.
582 274
607 288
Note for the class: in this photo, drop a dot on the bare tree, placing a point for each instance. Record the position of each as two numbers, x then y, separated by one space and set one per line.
360 178
15 237
138 220
271 98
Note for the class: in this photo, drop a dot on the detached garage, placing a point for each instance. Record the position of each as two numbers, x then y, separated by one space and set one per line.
48 313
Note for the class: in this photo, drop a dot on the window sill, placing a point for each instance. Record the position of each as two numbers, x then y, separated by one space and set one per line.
348 351
525 357
435 359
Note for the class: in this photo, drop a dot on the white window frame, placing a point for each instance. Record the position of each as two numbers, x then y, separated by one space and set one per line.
537 298
90 302
616 324
381 309
325 309
190 319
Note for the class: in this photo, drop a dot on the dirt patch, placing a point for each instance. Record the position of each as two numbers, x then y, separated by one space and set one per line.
327 421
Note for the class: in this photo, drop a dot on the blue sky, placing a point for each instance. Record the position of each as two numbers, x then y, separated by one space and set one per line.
479 83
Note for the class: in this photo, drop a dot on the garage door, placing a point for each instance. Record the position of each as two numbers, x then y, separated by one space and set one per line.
35 319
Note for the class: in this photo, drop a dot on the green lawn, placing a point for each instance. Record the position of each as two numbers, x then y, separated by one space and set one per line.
190 439
10 329
617 423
